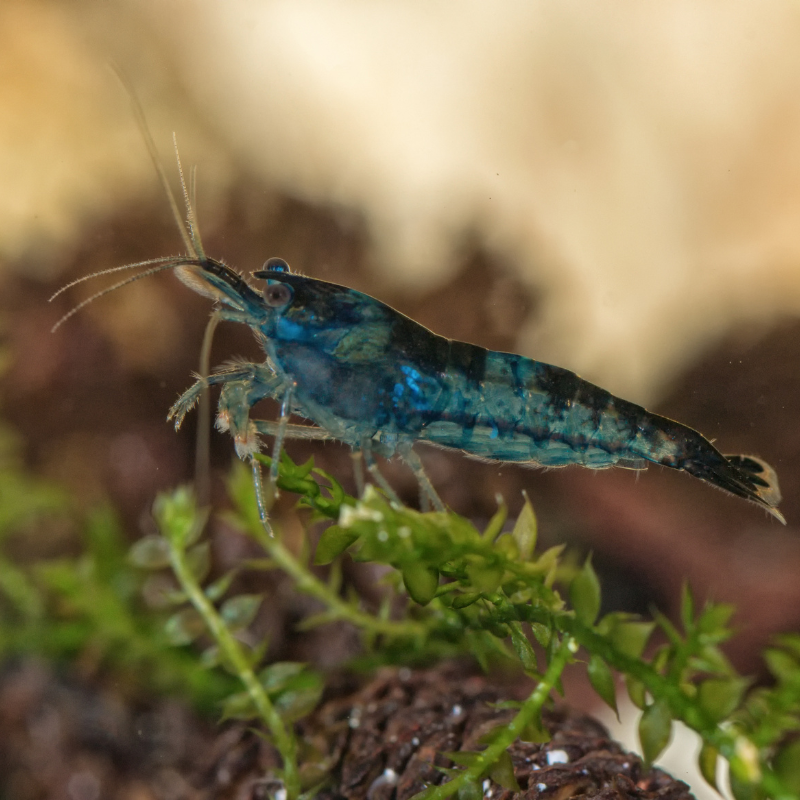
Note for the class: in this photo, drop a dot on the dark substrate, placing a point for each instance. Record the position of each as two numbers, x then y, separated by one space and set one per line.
64 738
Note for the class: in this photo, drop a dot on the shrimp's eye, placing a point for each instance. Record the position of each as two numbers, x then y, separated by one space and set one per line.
277 295
276 264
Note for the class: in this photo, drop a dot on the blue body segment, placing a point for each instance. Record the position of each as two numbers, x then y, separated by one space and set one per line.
367 371
375 379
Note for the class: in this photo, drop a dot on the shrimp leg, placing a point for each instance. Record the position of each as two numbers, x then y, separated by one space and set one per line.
241 389
427 492
375 474
257 382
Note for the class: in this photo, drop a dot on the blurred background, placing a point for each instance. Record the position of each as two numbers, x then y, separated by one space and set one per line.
611 188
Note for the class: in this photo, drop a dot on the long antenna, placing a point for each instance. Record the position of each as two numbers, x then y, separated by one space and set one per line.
191 241
99 273
190 234
167 264
194 233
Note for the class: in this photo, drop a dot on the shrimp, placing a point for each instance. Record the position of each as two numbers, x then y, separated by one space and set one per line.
373 378
368 376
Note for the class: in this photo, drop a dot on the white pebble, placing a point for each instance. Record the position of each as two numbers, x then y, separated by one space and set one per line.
388 778
557 757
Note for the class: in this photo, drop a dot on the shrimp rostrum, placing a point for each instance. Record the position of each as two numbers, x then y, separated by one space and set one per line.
371 377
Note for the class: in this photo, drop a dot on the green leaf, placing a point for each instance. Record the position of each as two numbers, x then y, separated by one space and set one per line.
673 634
525 531
791 641
535 732
636 691
523 649
184 627
329 506
293 688
198 559
661 657
496 523
238 612
707 764
277 676
178 518
714 619
485 578
255 652
631 637
210 657
603 682
787 765
469 790
150 552
464 758
719 697
547 562
502 772
216 590
498 629
421 582
584 594
451 772
506 547
655 729
542 633
239 706
333 542
711 660
465 600
293 704
780 664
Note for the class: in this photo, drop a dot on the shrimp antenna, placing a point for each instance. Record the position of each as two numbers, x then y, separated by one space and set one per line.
191 219
170 263
189 229
189 232
99 273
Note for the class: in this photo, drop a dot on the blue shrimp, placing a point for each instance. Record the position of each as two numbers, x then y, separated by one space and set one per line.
372 378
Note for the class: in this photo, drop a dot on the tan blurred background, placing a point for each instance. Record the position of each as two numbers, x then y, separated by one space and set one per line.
611 187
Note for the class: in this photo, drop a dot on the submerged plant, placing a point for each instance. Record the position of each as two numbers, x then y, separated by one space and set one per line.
489 593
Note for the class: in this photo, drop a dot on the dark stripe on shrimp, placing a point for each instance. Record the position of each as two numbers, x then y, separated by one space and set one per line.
560 386
426 350
470 360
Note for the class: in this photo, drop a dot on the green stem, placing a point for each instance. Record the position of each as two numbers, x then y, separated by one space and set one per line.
307 582
530 709
726 740
233 652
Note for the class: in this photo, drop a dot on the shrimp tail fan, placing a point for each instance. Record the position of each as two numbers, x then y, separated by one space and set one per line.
745 476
